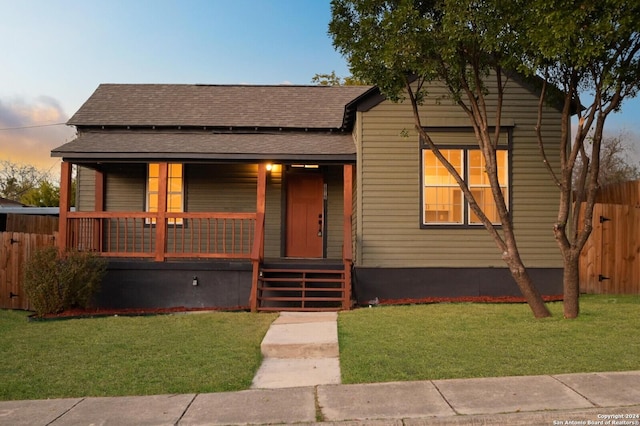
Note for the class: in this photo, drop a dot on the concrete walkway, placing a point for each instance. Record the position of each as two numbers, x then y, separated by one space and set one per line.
563 399
299 383
300 349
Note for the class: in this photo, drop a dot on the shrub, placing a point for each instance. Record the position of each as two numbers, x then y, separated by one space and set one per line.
54 283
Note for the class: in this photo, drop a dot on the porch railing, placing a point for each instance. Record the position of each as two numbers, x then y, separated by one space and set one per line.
186 235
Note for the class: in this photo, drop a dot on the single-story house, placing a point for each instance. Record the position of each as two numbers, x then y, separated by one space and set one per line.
297 197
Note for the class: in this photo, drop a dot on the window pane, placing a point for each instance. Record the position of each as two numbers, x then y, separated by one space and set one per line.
502 160
484 197
175 171
442 197
152 203
477 173
154 170
175 185
174 203
153 184
442 205
435 173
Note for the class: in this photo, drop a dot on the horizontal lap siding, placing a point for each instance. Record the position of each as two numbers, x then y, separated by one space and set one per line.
273 214
85 189
389 233
125 186
232 188
208 188
335 211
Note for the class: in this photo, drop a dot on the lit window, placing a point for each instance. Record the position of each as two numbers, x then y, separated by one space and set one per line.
444 203
175 195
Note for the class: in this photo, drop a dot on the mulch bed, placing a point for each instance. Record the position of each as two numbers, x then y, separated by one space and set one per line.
104 312
468 299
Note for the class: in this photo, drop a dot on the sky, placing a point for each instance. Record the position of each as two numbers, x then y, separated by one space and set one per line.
55 53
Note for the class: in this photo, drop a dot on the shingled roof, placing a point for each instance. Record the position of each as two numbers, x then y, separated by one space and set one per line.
218 106
208 145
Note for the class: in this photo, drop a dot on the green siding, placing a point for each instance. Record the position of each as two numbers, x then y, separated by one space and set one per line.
214 188
273 214
85 199
388 223
335 212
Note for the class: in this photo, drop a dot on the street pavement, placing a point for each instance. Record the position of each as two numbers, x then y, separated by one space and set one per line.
299 383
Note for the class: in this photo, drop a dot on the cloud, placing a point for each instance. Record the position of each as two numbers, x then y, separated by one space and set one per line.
31 128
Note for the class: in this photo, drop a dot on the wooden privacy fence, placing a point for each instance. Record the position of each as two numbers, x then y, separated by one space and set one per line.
15 250
32 224
610 261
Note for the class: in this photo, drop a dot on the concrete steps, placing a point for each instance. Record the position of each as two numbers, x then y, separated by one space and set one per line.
300 349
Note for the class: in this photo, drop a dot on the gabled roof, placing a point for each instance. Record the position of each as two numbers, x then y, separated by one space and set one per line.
217 106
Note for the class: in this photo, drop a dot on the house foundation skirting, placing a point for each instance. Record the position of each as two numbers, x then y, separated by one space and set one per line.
144 284
419 283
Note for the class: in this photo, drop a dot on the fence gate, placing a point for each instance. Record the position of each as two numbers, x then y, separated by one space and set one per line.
15 249
610 261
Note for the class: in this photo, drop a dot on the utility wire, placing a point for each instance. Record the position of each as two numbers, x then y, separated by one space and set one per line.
32 127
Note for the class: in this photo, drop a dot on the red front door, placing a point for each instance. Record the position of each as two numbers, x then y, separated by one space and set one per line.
305 209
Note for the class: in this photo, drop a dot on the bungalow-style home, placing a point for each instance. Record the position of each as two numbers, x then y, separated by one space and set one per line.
297 197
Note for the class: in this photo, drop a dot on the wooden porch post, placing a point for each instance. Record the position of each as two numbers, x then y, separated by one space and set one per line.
99 191
161 217
257 254
347 255
65 205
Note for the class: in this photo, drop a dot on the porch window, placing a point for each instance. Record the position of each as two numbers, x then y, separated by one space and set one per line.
443 201
175 191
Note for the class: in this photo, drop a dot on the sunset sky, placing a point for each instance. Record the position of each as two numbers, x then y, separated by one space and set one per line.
56 52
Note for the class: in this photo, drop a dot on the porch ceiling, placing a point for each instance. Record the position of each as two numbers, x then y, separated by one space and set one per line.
291 146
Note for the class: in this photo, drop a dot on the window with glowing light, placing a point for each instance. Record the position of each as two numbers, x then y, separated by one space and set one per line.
175 191
442 198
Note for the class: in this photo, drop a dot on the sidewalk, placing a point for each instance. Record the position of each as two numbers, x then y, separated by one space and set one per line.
528 400
299 382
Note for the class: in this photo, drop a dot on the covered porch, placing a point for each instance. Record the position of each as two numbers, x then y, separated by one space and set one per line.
166 240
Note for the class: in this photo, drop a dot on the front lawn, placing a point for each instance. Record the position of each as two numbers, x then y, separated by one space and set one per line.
204 352
443 341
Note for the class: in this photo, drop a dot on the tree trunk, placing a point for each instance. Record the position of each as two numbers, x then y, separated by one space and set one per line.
526 286
571 285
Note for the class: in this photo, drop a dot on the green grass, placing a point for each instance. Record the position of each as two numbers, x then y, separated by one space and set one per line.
216 352
443 341
207 352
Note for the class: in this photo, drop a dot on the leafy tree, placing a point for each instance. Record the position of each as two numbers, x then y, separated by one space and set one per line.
403 45
590 50
29 185
334 80
44 195
580 47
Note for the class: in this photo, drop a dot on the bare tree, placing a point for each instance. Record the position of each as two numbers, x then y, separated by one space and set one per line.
616 164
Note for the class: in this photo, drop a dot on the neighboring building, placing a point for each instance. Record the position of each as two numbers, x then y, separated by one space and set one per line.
296 197
5 203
